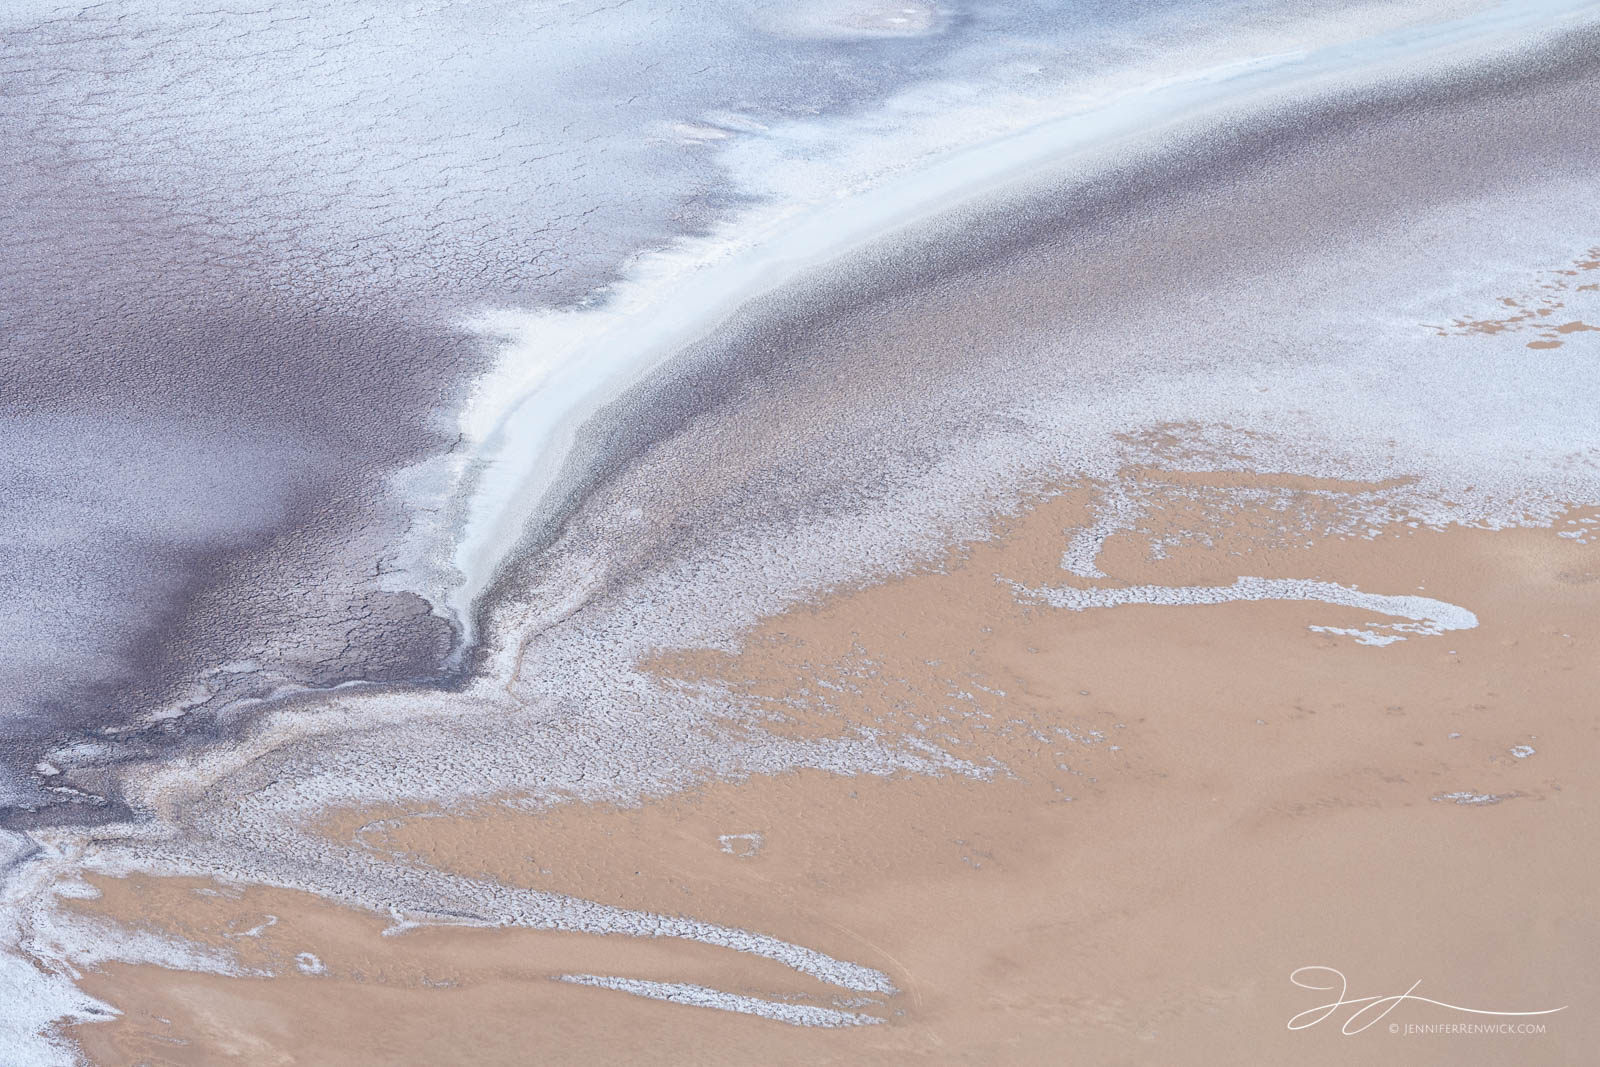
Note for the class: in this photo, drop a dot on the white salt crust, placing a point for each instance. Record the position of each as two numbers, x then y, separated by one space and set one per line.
820 194
33 998
1428 616
567 716
703 997
1469 798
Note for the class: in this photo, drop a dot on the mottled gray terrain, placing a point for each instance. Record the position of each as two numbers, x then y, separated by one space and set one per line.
235 251
238 248
242 251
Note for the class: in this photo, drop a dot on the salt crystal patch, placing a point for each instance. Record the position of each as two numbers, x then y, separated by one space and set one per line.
703 997
1468 797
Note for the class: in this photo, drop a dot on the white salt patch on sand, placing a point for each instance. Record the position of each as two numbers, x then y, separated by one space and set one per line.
1522 751
1429 616
267 922
86 941
704 997
1469 798
1115 511
742 844
1363 637
34 999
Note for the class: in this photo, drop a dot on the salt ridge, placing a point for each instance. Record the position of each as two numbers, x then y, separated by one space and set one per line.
558 368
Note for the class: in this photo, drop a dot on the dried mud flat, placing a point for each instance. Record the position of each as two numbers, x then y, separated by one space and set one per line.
1153 814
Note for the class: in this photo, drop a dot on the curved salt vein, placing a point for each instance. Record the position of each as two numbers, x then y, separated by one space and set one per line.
562 367
583 916
700 996
439 898
1429 616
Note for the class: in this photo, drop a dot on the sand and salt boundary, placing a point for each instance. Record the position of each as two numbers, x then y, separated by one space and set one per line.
857 682
1141 764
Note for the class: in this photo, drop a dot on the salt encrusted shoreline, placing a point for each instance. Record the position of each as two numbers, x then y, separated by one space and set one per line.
561 701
